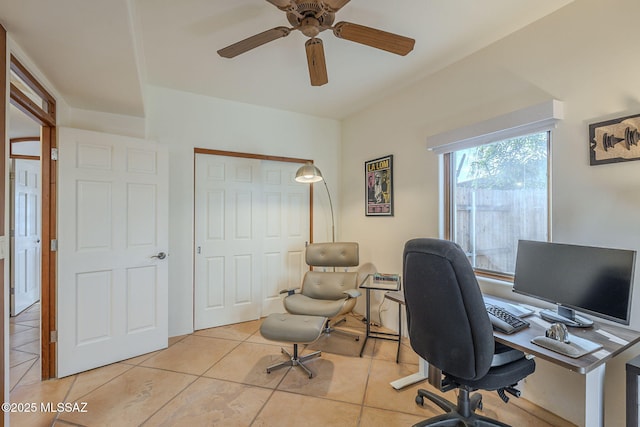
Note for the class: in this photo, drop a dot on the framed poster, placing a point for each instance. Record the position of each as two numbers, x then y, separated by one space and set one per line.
379 186
615 140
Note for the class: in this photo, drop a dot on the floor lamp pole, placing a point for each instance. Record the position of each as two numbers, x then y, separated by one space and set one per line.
333 224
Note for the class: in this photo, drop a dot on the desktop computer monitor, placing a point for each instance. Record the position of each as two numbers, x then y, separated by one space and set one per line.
588 279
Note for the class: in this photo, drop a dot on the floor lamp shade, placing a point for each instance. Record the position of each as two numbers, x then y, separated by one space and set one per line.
309 174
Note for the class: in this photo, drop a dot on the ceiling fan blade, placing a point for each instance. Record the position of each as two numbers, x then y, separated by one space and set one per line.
335 5
280 3
253 42
379 39
316 62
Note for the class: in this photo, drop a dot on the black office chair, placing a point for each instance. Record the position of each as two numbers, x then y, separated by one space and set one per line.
449 328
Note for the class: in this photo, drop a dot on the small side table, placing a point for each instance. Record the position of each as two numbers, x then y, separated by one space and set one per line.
397 296
390 283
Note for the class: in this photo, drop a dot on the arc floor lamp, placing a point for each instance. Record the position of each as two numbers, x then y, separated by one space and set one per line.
309 174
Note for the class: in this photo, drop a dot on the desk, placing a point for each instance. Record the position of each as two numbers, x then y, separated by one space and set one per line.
614 340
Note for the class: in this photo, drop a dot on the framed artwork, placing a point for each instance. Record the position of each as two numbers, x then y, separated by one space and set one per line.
379 186
615 140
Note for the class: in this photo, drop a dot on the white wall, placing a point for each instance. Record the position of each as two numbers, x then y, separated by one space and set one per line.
183 121
102 122
584 55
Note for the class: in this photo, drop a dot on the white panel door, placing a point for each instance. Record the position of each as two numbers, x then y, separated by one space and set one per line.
286 230
112 244
227 223
26 234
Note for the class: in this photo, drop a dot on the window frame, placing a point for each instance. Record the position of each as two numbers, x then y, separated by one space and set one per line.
449 204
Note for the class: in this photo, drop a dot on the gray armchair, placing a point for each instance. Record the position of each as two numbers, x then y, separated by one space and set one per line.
327 292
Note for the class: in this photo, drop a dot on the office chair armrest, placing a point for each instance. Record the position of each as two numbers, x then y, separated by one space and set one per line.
352 293
289 291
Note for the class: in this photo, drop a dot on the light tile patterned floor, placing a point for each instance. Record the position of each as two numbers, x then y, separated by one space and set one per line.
216 377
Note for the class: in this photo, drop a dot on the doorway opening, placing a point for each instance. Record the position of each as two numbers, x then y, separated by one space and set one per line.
25 236
33 106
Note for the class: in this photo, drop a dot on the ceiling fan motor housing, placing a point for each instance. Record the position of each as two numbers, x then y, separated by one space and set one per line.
310 17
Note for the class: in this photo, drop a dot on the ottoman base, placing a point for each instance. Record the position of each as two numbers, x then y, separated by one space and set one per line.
295 360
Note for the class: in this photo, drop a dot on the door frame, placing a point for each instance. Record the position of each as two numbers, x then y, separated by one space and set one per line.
44 115
3 184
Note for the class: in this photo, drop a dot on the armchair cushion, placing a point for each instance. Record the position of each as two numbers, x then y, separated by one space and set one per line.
301 304
336 254
328 284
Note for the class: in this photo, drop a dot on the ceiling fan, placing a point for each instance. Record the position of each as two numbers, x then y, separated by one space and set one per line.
311 17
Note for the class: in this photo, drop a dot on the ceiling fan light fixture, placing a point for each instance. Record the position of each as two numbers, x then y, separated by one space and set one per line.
310 27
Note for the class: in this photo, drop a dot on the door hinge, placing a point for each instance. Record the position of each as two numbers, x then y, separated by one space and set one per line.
12 176
54 154
54 245
54 336
12 291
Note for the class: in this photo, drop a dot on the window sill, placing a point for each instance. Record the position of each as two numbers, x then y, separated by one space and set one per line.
504 289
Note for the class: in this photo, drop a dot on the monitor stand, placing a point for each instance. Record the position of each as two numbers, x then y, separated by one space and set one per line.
567 316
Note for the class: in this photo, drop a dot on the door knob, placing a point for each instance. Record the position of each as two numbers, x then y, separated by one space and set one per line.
160 255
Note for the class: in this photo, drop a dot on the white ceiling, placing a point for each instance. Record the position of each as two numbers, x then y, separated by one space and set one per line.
99 55
20 125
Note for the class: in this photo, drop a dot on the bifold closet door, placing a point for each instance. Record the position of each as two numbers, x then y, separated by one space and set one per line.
251 222
286 213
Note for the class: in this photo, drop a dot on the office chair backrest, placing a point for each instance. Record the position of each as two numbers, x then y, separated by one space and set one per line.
446 316
330 284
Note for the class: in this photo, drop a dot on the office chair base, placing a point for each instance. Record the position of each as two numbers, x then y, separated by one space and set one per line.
329 329
462 414
295 360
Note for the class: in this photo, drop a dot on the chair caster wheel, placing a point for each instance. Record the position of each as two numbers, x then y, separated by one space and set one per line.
420 400
357 338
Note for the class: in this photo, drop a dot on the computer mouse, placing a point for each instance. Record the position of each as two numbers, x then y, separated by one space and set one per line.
559 332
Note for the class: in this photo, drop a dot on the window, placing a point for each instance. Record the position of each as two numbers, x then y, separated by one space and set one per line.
497 194
497 186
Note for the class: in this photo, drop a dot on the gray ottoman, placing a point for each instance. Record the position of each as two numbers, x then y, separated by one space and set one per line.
296 329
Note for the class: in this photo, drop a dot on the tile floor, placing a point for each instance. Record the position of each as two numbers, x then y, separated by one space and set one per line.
24 353
216 377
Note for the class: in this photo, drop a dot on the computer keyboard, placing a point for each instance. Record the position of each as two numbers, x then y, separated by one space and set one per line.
512 307
504 321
